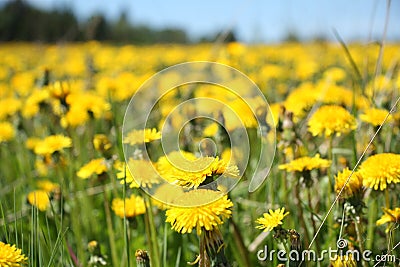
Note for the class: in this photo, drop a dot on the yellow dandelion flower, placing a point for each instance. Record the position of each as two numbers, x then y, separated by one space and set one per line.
390 216
47 186
328 93
335 74
194 171
142 136
101 142
167 193
305 163
242 114
211 129
75 116
134 205
93 246
95 166
59 90
331 119
227 155
39 199
344 261
41 168
89 102
11 256
51 144
306 69
353 186
235 48
31 106
301 99
6 132
271 219
375 116
22 82
146 173
165 167
202 218
31 142
277 112
123 172
8 107
380 85
379 170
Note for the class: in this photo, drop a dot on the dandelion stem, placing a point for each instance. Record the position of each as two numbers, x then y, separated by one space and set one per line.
76 224
301 215
240 244
312 219
151 232
330 189
203 258
110 230
359 239
126 222
285 182
371 223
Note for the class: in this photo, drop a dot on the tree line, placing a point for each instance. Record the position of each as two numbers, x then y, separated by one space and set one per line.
20 21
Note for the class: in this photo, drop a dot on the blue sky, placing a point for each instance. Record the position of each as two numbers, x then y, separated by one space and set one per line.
252 20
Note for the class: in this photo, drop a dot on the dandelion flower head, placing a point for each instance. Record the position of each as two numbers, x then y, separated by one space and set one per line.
39 199
201 218
375 116
48 186
379 170
331 119
51 144
138 172
305 163
142 136
101 142
191 171
95 166
271 219
11 256
353 186
133 206
6 132
391 215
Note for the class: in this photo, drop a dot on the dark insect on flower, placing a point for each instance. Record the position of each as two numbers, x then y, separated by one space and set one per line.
142 258
295 245
295 241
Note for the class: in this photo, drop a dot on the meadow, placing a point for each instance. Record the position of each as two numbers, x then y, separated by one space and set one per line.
68 196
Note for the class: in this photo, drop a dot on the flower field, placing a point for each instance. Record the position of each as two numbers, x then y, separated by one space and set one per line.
78 188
